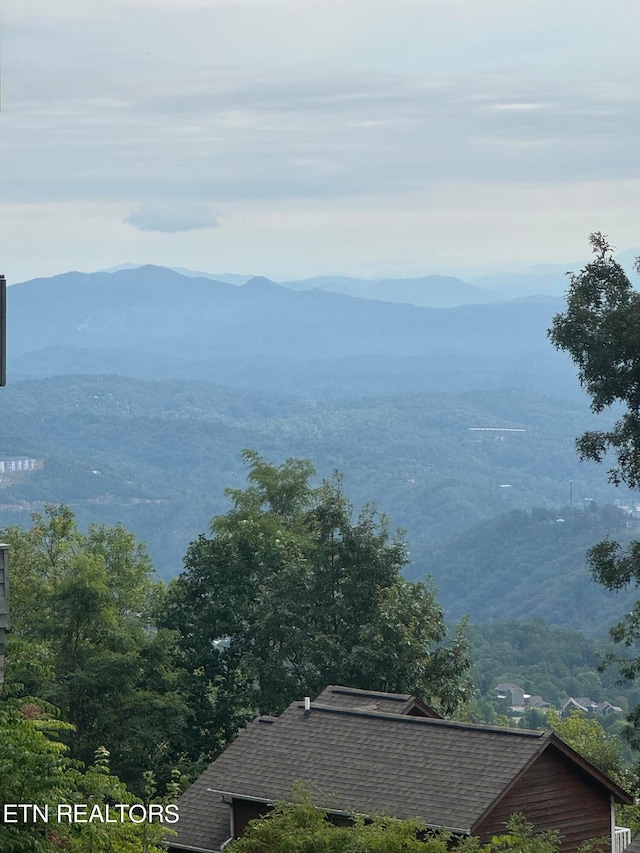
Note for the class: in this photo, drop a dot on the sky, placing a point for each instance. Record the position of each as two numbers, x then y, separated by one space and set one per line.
294 138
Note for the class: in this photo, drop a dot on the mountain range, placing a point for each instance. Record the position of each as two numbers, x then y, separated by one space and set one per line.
152 322
139 389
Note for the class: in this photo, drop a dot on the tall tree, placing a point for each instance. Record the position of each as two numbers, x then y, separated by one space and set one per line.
290 593
600 330
35 770
85 641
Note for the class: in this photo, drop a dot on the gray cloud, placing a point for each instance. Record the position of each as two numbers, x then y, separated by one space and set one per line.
213 103
317 137
172 218
316 103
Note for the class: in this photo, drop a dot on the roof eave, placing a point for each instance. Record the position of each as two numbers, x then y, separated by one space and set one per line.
619 793
551 739
337 812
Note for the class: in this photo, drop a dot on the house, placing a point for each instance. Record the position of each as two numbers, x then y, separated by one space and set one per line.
20 463
366 752
512 693
588 706
537 702
519 700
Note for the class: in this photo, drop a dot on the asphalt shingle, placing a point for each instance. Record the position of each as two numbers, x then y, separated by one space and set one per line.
357 759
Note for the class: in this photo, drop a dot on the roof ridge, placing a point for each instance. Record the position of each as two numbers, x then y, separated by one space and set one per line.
374 694
404 718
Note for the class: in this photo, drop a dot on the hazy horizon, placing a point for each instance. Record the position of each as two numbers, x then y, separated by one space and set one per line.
297 139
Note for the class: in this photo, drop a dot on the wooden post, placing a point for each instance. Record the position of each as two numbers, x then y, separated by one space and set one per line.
4 602
3 330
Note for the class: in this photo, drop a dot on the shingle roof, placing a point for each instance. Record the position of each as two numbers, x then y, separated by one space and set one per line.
375 763
204 818
537 702
368 762
372 700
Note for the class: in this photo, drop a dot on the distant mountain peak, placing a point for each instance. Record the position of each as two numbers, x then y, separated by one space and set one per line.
259 282
120 267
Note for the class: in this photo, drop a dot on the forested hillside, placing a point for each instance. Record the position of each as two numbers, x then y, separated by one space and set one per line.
531 563
459 423
546 660
448 418
157 457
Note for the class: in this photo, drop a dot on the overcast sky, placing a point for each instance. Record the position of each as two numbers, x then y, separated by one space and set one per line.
292 138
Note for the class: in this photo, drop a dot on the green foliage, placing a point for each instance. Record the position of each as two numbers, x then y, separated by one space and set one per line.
521 838
600 330
525 564
299 827
290 594
156 455
589 739
83 640
545 660
533 718
35 769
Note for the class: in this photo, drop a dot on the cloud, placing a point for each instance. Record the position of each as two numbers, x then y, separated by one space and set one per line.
292 102
172 218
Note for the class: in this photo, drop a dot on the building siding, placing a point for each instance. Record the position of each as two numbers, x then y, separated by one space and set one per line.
553 794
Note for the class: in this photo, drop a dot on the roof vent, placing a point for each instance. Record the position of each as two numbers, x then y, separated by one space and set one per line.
307 704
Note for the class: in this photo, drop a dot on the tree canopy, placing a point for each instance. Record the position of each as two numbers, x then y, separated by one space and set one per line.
600 330
290 593
35 770
84 641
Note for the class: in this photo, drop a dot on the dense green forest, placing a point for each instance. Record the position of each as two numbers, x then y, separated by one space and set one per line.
548 661
450 419
157 456
531 563
293 585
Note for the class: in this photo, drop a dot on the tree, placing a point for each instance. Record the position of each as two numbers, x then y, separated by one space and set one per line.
533 718
587 736
298 827
290 594
600 330
84 640
35 770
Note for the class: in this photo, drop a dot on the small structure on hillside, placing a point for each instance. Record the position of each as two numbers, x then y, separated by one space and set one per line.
588 706
10 464
518 700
